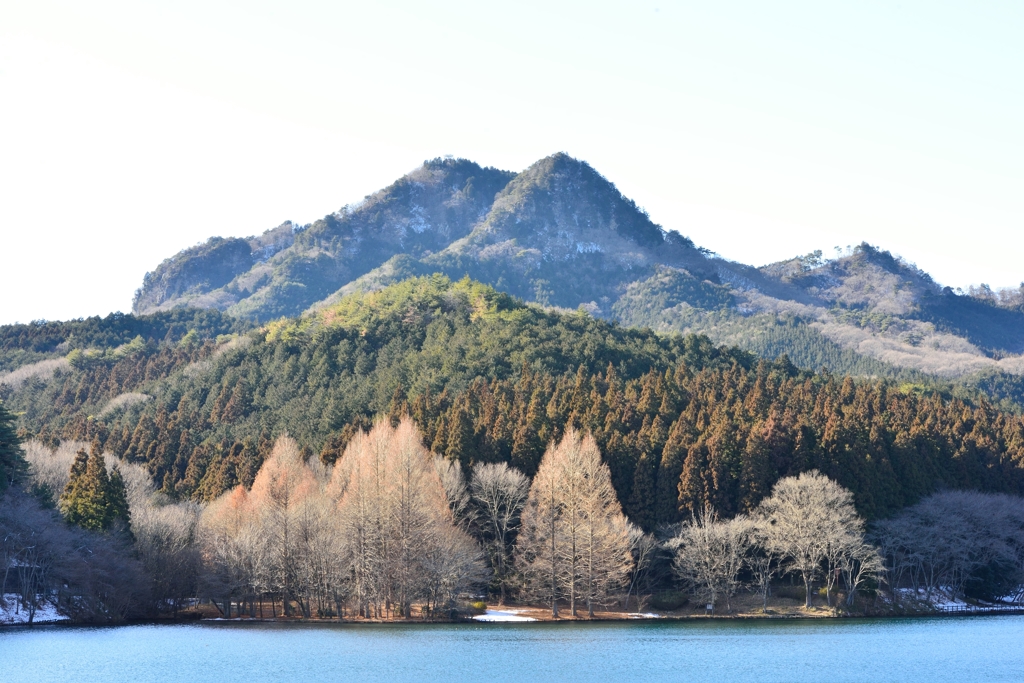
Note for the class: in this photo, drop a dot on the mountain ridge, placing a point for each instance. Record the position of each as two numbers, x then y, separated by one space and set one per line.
559 233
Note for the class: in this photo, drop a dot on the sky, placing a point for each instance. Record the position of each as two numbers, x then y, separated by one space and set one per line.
131 130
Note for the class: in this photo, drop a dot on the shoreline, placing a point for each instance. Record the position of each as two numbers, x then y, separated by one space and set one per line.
469 620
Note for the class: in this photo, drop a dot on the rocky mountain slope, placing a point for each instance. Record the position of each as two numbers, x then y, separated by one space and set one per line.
561 234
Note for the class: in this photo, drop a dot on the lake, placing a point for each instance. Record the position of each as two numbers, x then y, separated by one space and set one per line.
933 650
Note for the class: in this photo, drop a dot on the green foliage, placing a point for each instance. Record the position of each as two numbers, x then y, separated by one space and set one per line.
97 338
644 301
93 499
1005 389
681 423
995 329
420 213
12 461
767 336
877 321
560 234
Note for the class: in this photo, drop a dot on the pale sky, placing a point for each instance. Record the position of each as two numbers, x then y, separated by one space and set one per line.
762 130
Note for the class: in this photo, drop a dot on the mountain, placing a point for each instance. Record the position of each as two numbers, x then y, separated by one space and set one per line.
560 234
289 268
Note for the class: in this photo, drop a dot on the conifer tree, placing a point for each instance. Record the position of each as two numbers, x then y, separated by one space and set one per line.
12 461
642 505
92 499
575 541
73 497
117 501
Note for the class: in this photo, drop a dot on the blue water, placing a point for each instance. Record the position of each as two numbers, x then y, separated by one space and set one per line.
932 650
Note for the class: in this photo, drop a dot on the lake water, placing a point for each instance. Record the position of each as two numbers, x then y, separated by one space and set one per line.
932 650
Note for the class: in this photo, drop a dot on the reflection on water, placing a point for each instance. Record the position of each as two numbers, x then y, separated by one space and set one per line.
932 650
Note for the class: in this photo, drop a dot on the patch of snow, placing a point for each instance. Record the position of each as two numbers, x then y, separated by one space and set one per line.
418 223
643 615
493 615
12 613
942 600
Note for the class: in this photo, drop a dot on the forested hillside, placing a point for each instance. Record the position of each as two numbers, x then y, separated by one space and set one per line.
486 378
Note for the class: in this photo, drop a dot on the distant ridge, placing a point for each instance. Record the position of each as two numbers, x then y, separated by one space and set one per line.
561 234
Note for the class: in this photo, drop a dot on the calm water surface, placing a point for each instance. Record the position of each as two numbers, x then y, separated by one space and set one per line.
932 650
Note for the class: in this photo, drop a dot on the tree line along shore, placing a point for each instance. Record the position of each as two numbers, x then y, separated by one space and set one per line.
391 531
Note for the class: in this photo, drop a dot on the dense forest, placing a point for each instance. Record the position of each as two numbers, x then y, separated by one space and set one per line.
682 424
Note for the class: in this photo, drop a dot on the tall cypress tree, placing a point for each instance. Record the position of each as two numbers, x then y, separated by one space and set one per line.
92 499
74 501
118 513
12 460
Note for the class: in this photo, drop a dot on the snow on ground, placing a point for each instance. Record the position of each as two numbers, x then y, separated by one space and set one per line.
943 600
643 615
494 615
11 614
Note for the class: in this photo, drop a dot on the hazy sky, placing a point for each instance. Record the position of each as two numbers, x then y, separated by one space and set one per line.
762 130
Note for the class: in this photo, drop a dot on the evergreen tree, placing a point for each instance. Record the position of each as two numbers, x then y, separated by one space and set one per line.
12 461
92 499
118 512
73 497
643 503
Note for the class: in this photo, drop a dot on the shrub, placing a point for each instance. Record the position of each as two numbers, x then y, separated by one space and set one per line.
789 592
669 600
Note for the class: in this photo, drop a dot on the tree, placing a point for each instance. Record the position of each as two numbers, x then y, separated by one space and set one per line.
232 548
709 554
500 492
859 562
401 540
450 472
93 499
957 542
644 547
117 500
809 519
88 576
12 460
606 535
281 485
575 541
763 560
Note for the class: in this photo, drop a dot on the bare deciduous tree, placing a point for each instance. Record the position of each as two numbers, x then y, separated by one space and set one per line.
500 492
953 541
401 538
763 560
811 520
710 553
575 541
450 472
280 487
643 546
